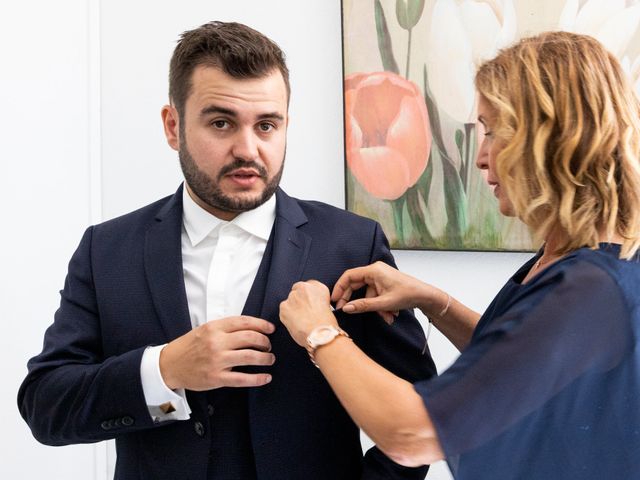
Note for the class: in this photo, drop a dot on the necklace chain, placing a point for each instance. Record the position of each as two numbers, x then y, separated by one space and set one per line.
539 263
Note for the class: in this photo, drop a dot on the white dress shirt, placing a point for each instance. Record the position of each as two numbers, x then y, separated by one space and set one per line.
220 261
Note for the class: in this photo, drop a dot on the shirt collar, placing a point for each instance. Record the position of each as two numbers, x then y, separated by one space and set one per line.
199 223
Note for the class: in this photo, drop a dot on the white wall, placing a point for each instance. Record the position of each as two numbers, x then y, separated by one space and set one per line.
82 86
136 159
45 202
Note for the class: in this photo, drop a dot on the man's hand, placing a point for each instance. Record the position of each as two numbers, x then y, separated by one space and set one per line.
203 359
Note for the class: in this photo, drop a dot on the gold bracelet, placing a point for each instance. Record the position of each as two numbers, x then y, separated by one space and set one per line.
444 311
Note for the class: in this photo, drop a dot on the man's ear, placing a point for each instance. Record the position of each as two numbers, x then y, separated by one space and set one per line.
171 124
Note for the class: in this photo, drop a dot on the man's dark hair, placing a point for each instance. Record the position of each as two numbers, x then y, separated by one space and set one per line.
236 49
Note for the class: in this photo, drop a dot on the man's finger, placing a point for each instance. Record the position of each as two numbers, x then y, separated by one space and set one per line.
239 379
247 339
247 357
246 322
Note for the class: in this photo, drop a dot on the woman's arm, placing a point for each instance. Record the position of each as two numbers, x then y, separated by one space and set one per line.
389 290
385 406
455 320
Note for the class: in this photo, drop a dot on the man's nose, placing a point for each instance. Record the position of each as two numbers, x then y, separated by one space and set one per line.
245 145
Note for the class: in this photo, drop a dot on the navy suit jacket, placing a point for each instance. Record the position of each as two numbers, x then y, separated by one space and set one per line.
125 291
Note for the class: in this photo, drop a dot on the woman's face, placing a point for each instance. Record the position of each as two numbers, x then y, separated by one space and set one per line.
487 153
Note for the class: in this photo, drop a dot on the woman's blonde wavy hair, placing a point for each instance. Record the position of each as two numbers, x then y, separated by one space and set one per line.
570 123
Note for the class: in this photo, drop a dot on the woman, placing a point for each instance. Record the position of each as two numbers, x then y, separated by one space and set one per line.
548 382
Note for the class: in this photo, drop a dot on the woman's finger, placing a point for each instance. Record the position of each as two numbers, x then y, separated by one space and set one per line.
349 281
372 304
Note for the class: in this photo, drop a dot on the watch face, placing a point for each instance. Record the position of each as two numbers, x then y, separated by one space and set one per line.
322 335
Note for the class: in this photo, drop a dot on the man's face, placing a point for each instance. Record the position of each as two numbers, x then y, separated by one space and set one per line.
231 139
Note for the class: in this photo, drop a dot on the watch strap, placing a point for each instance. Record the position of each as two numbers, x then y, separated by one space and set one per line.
311 347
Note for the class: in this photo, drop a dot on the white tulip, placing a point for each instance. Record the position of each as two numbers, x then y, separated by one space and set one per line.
612 22
464 33
633 71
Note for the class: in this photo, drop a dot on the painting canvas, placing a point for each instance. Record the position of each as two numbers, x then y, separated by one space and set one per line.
411 135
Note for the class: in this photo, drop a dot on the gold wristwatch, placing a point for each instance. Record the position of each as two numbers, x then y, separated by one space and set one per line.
322 335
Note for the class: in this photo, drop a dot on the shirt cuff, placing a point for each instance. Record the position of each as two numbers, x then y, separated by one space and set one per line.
163 403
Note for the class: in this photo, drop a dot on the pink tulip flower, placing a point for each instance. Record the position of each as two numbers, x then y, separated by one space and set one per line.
388 137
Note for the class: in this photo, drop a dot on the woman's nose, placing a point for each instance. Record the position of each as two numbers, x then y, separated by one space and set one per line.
482 159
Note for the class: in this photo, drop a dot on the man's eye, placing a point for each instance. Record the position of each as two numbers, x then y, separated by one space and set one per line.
219 123
266 127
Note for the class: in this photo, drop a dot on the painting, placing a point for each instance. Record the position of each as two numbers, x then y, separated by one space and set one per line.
411 135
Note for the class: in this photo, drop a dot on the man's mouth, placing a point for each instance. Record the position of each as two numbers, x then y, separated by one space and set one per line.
244 176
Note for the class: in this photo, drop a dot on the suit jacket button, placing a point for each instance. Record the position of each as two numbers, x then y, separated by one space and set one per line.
210 410
106 425
199 428
127 421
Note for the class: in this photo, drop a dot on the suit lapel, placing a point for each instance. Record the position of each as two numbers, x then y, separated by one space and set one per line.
282 265
255 299
163 267
290 249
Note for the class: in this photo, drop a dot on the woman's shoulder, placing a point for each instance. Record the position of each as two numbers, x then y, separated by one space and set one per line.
605 265
583 277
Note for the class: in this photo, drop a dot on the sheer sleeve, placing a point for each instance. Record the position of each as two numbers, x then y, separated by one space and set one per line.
566 325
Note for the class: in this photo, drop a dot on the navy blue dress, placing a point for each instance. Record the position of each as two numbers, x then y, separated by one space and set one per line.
549 386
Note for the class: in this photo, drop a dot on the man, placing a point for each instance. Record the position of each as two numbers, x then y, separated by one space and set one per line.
167 337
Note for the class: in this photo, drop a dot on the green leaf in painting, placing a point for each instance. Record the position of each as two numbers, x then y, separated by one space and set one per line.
459 137
432 108
409 12
424 182
384 40
455 202
423 187
397 207
459 140
454 192
416 214
469 154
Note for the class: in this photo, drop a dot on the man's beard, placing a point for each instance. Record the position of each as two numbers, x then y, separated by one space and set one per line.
207 189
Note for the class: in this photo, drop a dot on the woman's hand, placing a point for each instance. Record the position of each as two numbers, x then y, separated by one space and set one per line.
306 307
388 291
